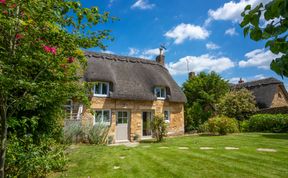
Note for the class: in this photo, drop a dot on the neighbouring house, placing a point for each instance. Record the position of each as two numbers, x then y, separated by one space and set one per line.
127 92
268 92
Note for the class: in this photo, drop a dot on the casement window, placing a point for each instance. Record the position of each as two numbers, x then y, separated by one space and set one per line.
102 117
101 89
167 116
160 92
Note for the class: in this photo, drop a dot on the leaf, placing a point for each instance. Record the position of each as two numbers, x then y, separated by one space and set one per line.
246 31
256 34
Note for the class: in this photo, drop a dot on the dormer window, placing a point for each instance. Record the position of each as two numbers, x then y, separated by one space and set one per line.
101 89
160 92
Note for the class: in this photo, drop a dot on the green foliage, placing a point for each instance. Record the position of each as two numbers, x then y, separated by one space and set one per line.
98 134
274 32
220 125
27 159
41 64
203 92
237 104
277 123
159 128
72 132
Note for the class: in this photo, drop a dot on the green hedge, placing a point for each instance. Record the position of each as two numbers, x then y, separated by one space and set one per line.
219 125
277 123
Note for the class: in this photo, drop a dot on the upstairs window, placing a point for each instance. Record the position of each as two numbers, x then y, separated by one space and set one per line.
160 92
101 89
102 117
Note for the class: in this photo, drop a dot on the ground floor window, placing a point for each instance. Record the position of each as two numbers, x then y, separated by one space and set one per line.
167 116
102 116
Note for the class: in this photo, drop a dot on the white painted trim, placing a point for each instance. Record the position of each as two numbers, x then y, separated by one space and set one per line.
101 95
105 123
165 93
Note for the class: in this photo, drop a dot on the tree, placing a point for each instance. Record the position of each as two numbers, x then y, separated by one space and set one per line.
203 92
159 127
40 61
238 104
273 30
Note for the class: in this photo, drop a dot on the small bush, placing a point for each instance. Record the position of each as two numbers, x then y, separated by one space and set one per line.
268 123
72 133
220 125
98 134
28 159
159 128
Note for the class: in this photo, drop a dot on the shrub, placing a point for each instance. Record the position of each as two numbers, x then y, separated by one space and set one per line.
268 123
72 132
220 125
237 104
98 134
28 159
159 128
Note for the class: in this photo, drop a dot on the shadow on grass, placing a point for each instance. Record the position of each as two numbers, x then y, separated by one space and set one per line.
148 141
276 136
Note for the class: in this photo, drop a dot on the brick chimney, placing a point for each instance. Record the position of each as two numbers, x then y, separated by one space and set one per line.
161 57
191 75
241 81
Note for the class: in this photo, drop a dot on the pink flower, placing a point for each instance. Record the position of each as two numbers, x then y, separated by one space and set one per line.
19 36
70 59
5 12
49 49
53 50
2 1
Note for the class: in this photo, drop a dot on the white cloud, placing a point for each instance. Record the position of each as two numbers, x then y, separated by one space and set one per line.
259 58
142 4
199 63
235 80
232 10
146 54
184 32
231 32
107 51
133 51
212 46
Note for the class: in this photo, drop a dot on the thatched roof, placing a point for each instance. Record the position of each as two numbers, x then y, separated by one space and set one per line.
131 78
264 90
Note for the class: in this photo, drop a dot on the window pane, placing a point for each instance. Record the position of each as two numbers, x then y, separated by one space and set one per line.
158 92
98 88
162 93
106 117
119 120
166 115
104 89
125 120
125 114
119 114
98 116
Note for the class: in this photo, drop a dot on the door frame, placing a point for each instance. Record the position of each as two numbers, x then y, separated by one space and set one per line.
128 124
152 114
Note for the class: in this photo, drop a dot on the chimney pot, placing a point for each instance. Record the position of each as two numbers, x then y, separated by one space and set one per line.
160 59
241 81
191 75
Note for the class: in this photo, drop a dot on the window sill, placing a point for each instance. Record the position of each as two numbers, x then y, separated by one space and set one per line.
161 98
100 96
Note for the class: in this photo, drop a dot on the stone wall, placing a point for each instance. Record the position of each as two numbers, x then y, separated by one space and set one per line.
176 125
279 99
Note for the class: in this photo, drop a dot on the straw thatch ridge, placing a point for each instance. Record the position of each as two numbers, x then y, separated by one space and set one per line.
131 78
264 90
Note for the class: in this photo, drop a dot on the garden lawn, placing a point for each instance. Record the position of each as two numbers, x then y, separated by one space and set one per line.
167 160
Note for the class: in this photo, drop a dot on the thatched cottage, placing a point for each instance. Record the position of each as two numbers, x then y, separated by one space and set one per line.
268 92
128 91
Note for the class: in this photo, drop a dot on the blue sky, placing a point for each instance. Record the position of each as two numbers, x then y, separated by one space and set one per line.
203 34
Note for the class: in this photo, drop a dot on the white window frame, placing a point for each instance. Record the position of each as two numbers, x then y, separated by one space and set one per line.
101 84
155 93
102 114
169 115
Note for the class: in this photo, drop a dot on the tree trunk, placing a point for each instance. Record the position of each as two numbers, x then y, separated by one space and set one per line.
3 141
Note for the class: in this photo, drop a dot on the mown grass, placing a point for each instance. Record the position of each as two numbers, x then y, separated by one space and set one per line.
154 161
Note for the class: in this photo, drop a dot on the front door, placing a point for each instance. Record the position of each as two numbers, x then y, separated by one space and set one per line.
146 124
122 123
